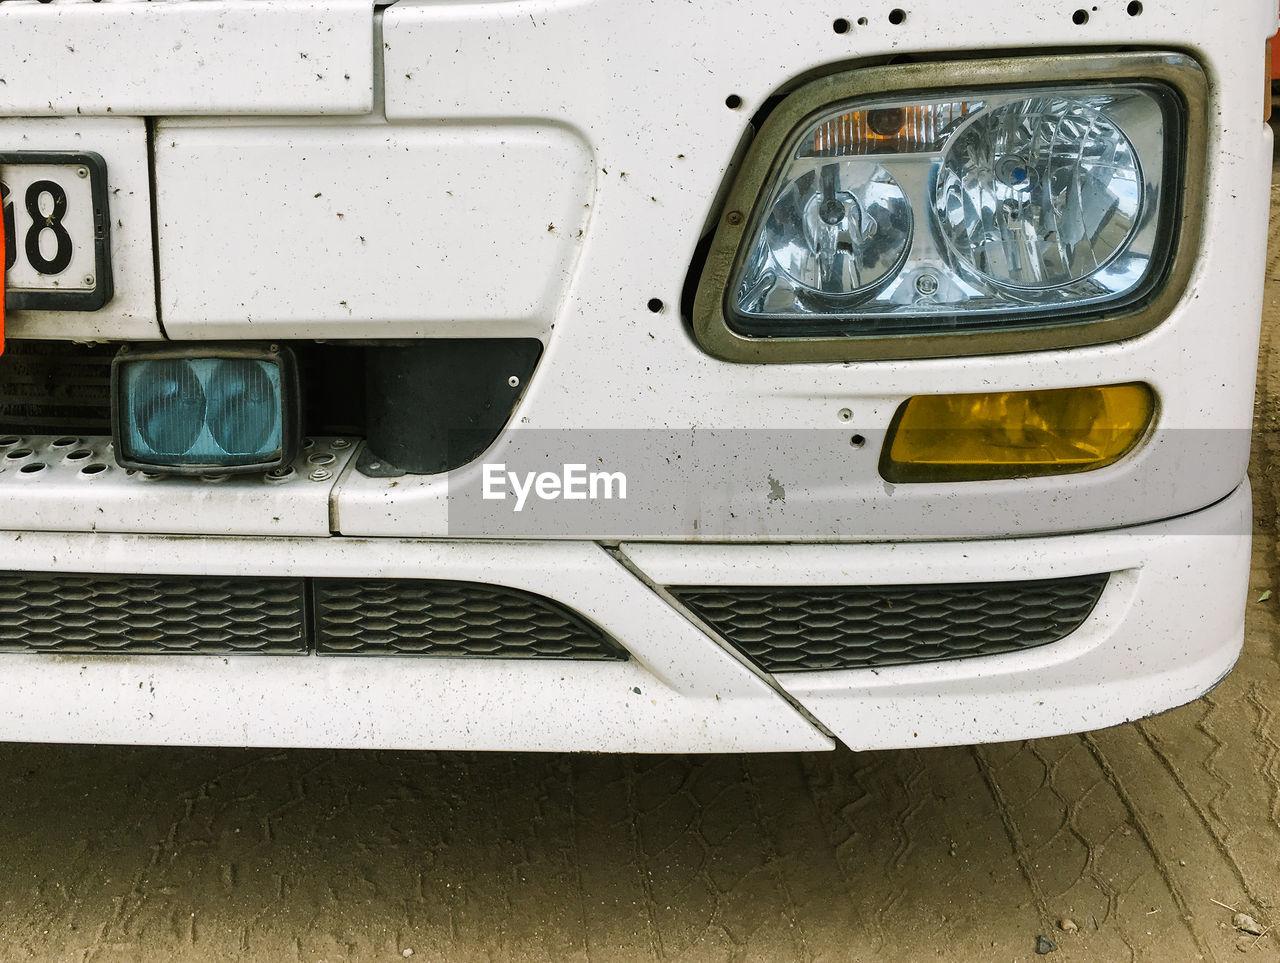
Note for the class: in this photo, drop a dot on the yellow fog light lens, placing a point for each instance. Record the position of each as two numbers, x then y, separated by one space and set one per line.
1014 434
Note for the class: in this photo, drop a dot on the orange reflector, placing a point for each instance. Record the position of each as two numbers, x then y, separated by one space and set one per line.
899 129
1014 434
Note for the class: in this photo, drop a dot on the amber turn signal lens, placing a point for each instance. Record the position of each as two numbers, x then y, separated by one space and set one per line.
1014 434
902 129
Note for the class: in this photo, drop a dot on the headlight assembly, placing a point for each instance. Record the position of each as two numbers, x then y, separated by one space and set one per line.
987 206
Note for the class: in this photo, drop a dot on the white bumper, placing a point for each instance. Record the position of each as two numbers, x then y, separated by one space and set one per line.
1168 626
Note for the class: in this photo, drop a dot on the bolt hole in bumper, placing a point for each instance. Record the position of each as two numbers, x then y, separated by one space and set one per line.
1166 626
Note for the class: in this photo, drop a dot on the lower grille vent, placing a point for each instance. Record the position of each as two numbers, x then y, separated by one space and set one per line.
440 618
148 614
805 628
212 615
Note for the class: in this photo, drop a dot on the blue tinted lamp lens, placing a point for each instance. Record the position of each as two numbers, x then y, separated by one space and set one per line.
199 415
244 407
167 405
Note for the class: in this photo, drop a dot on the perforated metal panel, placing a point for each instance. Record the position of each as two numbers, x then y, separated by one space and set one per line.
793 629
147 614
443 618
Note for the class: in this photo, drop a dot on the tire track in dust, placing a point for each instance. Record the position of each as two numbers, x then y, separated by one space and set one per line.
915 783
641 864
127 906
1074 801
892 821
1021 852
848 808
1071 837
1204 813
1270 768
774 859
576 854
717 873
1145 833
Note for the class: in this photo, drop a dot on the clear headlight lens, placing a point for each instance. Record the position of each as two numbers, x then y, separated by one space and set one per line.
832 238
982 210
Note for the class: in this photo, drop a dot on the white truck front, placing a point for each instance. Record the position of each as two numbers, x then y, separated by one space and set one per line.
719 376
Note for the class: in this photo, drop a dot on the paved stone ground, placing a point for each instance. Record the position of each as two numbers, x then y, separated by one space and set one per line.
965 854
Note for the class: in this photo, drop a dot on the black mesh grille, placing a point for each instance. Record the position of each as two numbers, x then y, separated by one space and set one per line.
142 614
55 388
145 614
440 618
791 629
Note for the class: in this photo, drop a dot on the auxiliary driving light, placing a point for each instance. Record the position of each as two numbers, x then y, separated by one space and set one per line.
206 410
1014 434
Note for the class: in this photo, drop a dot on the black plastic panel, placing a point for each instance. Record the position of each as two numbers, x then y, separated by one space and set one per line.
436 405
